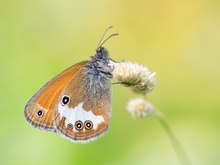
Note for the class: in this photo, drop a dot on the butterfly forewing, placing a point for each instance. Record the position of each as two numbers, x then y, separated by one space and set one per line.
39 111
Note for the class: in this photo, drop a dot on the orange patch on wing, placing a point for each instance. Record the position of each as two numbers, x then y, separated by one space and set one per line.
46 98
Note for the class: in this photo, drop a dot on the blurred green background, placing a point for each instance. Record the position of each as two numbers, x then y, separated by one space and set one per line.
180 40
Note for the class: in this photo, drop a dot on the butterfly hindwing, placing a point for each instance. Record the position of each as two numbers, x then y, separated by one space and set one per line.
83 108
39 111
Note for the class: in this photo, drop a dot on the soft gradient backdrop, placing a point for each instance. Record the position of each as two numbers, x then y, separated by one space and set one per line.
180 40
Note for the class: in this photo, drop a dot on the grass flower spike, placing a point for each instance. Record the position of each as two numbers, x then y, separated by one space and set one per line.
133 75
139 108
142 81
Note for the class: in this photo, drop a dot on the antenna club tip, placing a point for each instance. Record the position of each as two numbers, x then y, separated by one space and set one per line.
100 42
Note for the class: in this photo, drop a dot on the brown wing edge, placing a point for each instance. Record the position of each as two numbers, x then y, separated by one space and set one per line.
46 128
83 139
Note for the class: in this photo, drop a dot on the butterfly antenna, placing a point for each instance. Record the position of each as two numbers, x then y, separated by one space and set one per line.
115 34
103 35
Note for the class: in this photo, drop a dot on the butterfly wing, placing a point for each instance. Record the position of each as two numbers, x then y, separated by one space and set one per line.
39 111
83 109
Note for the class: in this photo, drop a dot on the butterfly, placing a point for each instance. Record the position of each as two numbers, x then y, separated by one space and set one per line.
76 103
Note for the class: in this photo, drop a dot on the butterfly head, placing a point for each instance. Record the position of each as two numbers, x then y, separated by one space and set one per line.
101 54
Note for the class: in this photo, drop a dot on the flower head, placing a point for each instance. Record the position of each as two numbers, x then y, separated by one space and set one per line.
133 75
139 108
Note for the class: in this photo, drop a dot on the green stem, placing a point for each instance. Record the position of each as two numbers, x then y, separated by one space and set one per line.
180 152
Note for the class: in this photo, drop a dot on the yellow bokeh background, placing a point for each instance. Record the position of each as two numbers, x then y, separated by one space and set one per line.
180 40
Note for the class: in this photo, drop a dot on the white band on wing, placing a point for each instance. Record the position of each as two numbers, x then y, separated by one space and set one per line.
79 114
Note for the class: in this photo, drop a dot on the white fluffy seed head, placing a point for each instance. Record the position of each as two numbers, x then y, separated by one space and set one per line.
136 76
139 108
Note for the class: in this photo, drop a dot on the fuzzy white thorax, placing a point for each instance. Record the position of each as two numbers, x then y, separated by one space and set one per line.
136 76
139 108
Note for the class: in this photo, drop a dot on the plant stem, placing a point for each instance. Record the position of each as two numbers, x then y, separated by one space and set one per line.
180 152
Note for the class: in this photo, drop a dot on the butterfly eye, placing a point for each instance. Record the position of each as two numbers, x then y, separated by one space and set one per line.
79 125
40 113
65 100
88 124
99 55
